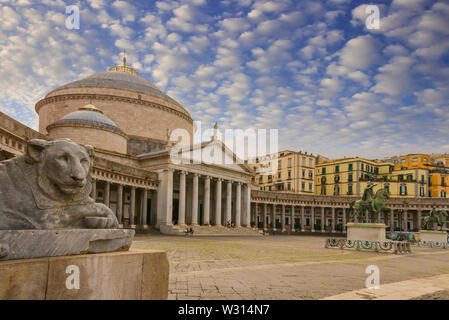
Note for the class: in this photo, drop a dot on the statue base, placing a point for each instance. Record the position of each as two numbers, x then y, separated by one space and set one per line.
437 238
132 275
26 244
366 231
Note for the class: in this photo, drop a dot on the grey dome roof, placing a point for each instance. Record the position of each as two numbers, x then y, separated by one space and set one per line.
121 80
88 115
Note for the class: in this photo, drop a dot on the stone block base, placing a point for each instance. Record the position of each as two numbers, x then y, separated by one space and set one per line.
433 236
26 244
366 231
135 274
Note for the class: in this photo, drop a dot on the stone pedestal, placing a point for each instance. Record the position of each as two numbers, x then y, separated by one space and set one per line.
135 274
366 231
26 244
433 236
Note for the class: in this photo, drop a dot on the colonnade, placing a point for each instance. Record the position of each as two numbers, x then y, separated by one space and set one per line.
130 203
303 218
201 199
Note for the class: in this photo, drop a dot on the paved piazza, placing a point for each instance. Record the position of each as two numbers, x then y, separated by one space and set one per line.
292 267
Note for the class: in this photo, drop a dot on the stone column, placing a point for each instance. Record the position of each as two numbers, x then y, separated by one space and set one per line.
218 202
120 205
333 219
344 220
293 219
93 191
132 209
247 205
264 216
165 198
195 200
206 204
392 221
419 220
228 202
107 193
144 208
366 216
303 218
405 218
273 221
238 204
312 212
256 214
378 217
182 199
323 223
283 218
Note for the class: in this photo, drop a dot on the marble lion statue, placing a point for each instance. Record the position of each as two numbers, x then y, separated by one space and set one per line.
48 188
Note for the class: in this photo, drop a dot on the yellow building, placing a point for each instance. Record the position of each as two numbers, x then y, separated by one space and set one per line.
350 176
411 161
285 171
439 177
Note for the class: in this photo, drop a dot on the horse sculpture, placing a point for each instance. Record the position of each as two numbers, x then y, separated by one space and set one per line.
371 203
435 217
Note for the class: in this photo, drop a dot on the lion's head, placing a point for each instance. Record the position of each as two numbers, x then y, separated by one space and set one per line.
63 165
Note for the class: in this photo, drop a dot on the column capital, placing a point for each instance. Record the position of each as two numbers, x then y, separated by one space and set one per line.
207 177
183 172
196 174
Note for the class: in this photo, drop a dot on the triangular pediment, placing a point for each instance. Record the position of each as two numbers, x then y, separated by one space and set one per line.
210 153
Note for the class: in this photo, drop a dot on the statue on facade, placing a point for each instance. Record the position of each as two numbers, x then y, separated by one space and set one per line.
373 203
48 188
435 219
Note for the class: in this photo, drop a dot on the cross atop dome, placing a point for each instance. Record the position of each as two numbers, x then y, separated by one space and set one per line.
124 67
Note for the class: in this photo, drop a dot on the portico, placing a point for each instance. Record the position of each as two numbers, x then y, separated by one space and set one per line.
192 193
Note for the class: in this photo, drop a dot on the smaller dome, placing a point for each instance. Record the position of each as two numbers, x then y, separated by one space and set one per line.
88 115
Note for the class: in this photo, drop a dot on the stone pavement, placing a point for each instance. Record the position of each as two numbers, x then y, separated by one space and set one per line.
403 290
281 267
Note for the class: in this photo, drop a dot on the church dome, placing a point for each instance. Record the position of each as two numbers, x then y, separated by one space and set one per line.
88 115
131 105
88 125
120 78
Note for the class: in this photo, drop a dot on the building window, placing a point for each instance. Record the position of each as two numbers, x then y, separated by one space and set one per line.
443 194
310 187
350 189
421 191
350 167
336 190
350 177
260 179
289 163
303 173
362 166
289 186
303 186
289 174
323 170
403 190
337 168
415 160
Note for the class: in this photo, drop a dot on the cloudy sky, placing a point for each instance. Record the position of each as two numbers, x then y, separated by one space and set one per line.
311 69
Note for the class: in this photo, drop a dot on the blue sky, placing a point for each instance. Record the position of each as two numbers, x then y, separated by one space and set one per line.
308 68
